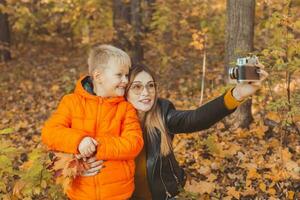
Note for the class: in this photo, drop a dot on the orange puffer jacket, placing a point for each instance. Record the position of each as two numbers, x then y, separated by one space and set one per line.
114 124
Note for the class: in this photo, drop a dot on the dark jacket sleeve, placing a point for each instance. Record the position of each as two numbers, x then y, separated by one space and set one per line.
187 121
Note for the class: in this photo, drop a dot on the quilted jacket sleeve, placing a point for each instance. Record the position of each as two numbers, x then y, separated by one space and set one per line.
128 145
57 133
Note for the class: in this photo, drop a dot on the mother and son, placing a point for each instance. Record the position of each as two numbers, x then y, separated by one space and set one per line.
124 131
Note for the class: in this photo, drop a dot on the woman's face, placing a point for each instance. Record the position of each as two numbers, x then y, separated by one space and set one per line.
142 91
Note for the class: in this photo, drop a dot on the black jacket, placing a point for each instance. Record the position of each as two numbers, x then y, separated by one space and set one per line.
165 177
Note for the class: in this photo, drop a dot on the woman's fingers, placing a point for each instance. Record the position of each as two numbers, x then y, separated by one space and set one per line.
260 65
90 174
91 159
91 170
263 74
97 163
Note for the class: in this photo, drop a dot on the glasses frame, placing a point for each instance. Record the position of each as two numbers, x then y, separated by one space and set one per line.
144 86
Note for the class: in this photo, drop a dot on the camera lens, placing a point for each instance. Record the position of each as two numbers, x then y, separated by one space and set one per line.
233 72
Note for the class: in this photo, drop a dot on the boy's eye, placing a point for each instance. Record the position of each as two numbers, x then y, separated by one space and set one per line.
119 75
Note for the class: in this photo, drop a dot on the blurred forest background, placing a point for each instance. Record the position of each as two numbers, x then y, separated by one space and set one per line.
254 154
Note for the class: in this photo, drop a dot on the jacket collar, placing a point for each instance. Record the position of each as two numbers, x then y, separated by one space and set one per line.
84 87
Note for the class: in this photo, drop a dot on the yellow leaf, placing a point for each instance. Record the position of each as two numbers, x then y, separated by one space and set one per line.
232 150
6 131
44 184
248 182
55 88
271 191
291 195
19 185
260 131
286 155
274 116
205 170
249 190
263 187
211 177
252 174
232 192
201 187
27 165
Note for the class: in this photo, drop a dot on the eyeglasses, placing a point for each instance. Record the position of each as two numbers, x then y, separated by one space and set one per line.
138 88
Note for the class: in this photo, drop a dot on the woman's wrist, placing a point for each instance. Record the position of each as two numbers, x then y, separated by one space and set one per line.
230 101
236 95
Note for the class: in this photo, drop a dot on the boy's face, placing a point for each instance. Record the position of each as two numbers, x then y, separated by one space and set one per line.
113 79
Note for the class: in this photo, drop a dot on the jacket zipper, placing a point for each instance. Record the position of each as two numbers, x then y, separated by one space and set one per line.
154 166
176 178
160 168
95 177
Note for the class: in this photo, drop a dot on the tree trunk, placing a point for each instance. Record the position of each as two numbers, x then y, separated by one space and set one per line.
136 22
4 36
121 19
127 19
239 42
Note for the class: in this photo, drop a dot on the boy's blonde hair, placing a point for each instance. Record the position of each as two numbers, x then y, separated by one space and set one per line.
100 55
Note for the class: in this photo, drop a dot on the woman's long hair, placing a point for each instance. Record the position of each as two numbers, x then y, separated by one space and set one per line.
153 118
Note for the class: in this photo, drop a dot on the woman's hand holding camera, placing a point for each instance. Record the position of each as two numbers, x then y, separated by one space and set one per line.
244 90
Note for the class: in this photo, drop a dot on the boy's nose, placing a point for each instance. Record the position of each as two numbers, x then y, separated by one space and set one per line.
124 79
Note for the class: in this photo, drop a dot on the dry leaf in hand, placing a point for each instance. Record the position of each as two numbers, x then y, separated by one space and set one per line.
66 168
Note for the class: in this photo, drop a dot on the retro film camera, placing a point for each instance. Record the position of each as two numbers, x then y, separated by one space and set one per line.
246 70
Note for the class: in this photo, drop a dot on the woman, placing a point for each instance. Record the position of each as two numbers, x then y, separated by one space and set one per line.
158 175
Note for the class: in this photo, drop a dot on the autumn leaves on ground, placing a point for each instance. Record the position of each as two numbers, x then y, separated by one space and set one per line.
222 162
49 40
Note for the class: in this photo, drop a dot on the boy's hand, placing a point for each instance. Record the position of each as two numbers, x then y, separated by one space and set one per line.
87 146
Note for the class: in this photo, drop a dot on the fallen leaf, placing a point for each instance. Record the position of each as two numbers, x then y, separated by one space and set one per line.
6 131
201 187
19 185
232 192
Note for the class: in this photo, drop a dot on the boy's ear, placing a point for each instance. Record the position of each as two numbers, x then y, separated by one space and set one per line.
97 76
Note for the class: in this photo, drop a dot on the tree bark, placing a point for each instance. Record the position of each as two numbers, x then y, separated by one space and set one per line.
121 19
239 42
127 18
136 22
4 36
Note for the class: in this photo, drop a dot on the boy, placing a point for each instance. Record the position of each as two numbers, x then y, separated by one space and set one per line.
97 119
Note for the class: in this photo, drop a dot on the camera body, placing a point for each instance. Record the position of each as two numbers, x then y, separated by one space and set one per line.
246 70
